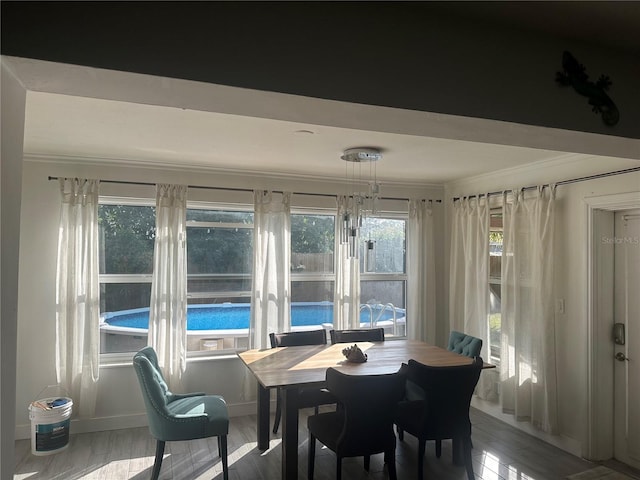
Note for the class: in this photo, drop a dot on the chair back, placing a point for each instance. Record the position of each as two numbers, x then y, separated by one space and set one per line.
368 403
464 344
295 339
155 390
447 397
357 335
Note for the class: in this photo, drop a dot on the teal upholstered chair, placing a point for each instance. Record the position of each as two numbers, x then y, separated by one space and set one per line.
175 417
464 344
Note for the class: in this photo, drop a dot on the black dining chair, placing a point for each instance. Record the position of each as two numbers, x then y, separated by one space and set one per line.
307 397
363 426
466 345
441 411
357 335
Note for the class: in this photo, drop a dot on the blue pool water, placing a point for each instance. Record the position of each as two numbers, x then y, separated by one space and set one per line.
231 316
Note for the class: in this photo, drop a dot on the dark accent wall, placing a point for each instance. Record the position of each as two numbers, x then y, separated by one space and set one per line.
410 55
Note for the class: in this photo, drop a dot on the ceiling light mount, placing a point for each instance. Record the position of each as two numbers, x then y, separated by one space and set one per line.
362 154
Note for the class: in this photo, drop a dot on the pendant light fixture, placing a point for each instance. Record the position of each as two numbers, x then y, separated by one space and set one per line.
361 202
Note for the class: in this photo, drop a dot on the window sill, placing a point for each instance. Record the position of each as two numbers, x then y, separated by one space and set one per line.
114 360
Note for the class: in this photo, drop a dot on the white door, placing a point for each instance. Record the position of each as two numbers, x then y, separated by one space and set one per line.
627 355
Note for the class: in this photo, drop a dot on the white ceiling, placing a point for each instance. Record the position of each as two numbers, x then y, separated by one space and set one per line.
89 128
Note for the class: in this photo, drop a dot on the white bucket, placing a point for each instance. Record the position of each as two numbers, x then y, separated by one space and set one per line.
50 422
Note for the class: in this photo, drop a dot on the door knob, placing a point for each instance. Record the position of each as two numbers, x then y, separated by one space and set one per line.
621 357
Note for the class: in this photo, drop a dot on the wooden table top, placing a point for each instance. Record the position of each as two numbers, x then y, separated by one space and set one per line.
307 365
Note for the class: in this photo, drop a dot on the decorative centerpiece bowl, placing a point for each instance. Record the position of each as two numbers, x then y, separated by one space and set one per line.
354 354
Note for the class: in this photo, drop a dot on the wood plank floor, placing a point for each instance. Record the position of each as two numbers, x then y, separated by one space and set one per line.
500 452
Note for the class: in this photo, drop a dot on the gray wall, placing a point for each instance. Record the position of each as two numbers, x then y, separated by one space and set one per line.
13 101
413 55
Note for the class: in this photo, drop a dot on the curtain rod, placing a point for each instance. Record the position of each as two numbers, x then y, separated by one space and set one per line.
563 182
232 189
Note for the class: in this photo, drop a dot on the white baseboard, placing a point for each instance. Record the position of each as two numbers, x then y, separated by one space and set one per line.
118 422
562 442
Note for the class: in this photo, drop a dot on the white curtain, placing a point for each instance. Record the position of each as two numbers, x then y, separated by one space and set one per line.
168 306
528 365
469 276
78 294
421 273
346 298
270 299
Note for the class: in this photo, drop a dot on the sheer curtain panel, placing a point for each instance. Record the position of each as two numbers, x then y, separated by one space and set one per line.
528 364
168 306
346 297
270 299
421 273
469 276
78 294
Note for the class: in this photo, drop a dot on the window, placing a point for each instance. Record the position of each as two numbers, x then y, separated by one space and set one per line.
219 265
219 273
495 285
126 236
312 269
383 273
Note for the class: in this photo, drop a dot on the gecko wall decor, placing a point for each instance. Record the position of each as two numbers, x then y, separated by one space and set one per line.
573 74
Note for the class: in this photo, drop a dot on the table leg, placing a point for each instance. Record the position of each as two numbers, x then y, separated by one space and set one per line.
290 434
264 398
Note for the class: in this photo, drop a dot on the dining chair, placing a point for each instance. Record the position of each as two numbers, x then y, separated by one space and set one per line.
363 426
464 344
443 411
357 335
176 417
307 397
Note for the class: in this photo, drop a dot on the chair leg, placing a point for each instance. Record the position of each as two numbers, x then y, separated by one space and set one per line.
276 422
312 456
222 450
422 446
367 462
158 461
468 462
338 469
390 460
438 448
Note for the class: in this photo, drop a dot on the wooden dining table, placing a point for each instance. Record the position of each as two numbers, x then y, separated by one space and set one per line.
292 368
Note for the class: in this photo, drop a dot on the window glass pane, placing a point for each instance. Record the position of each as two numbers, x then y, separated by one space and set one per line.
312 243
386 253
124 306
311 304
218 289
124 296
383 301
312 291
127 235
219 250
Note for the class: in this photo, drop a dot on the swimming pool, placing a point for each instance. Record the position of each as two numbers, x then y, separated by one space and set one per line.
234 316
